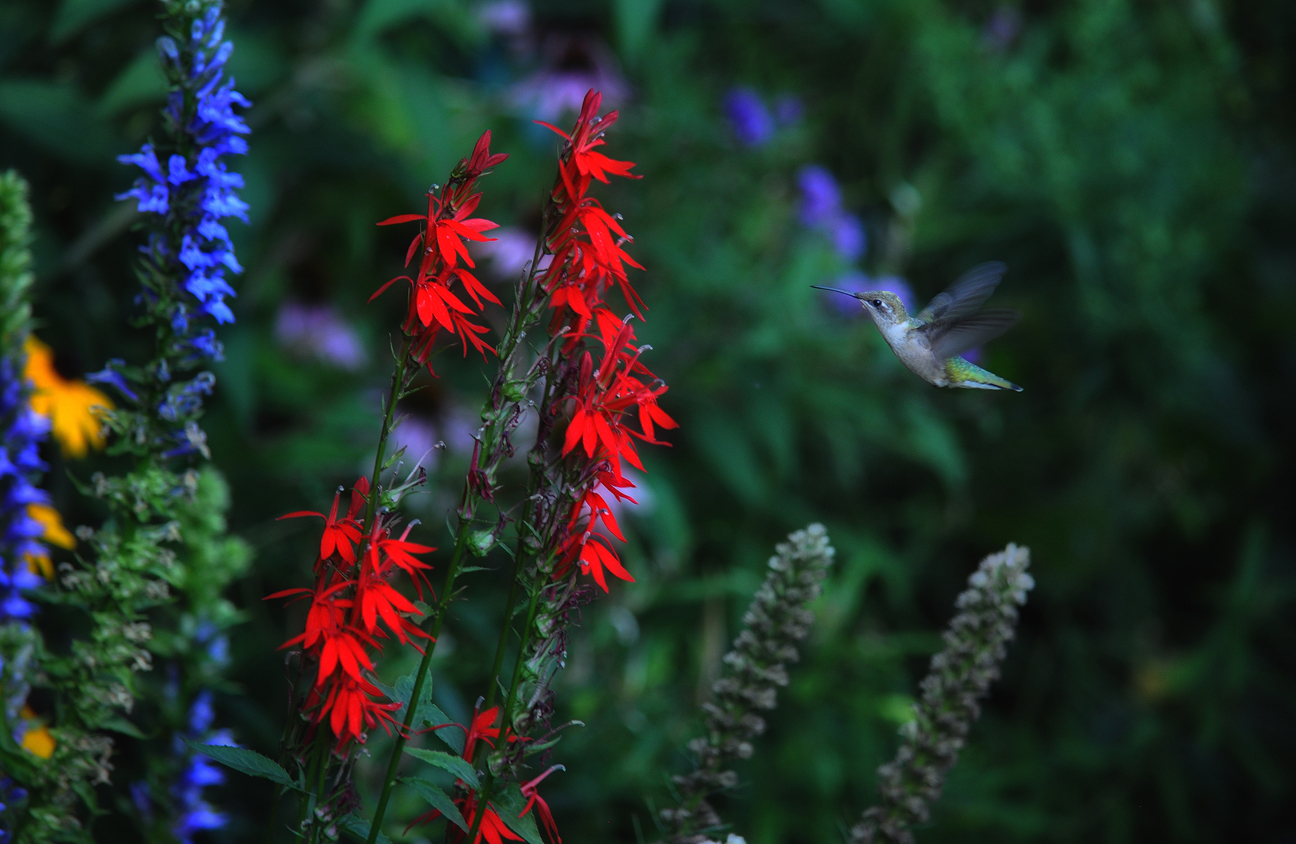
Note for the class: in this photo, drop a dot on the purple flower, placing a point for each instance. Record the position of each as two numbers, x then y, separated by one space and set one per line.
787 110
1002 29
510 18
573 65
821 208
848 236
510 251
419 439
820 196
748 117
858 282
318 331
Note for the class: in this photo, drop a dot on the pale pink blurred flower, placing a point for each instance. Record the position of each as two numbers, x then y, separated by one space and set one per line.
573 65
510 18
318 331
419 439
510 252
645 502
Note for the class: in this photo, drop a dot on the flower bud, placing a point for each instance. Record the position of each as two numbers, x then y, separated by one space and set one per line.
480 542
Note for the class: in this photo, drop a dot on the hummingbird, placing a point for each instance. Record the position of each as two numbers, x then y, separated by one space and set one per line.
930 344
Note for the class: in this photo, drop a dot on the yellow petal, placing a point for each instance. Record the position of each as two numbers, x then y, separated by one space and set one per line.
40 564
40 742
69 405
49 519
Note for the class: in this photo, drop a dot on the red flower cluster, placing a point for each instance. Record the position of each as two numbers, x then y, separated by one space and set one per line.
586 241
492 826
433 304
589 258
353 607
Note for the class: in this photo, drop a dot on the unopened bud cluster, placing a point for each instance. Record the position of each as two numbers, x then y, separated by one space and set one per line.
777 619
960 676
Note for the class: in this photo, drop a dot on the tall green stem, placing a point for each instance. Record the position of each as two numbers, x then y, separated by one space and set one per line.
525 314
397 387
401 735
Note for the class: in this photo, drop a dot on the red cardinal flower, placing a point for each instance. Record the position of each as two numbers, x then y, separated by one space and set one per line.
542 808
383 550
327 614
492 827
584 162
352 710
603 395
340 535
441 238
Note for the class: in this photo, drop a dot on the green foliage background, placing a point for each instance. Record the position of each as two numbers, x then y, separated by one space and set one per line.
1131 161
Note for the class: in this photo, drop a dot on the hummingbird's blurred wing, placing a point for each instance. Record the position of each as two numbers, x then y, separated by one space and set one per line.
952 337
965 295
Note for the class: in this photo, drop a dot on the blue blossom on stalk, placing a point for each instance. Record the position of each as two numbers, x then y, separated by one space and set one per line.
193 813
189 190
749 118
21 429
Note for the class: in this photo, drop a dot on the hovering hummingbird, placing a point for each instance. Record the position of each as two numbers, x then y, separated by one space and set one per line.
930 343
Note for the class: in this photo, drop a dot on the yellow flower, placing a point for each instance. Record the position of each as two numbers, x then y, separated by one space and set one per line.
69 405
37 739
55 533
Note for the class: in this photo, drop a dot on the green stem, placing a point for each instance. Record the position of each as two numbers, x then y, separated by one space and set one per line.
393 764
524 317
320 776
486 788
398 385
504 634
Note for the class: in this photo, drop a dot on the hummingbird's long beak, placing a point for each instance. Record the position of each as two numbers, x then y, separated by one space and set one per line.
835 290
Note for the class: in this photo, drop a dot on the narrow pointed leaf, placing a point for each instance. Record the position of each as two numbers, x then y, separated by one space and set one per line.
437 799
510 804
247 761
454 764
359 827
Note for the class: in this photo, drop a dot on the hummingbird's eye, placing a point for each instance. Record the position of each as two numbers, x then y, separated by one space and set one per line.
877 303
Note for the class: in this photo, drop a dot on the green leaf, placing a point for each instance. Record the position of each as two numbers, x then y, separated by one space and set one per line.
454 764
75 15
359 827
248 761
438 799
427 712
510 804
126 728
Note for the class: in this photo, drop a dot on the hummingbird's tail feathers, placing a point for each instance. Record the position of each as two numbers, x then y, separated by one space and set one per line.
964 373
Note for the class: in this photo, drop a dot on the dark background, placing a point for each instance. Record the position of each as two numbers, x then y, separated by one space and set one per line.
1130 161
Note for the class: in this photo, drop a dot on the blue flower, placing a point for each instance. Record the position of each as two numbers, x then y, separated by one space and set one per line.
21 432
821 208
189 196
748 117
193 812
820 196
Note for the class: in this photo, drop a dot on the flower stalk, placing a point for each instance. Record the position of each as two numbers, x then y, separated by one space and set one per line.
960 677
778 618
